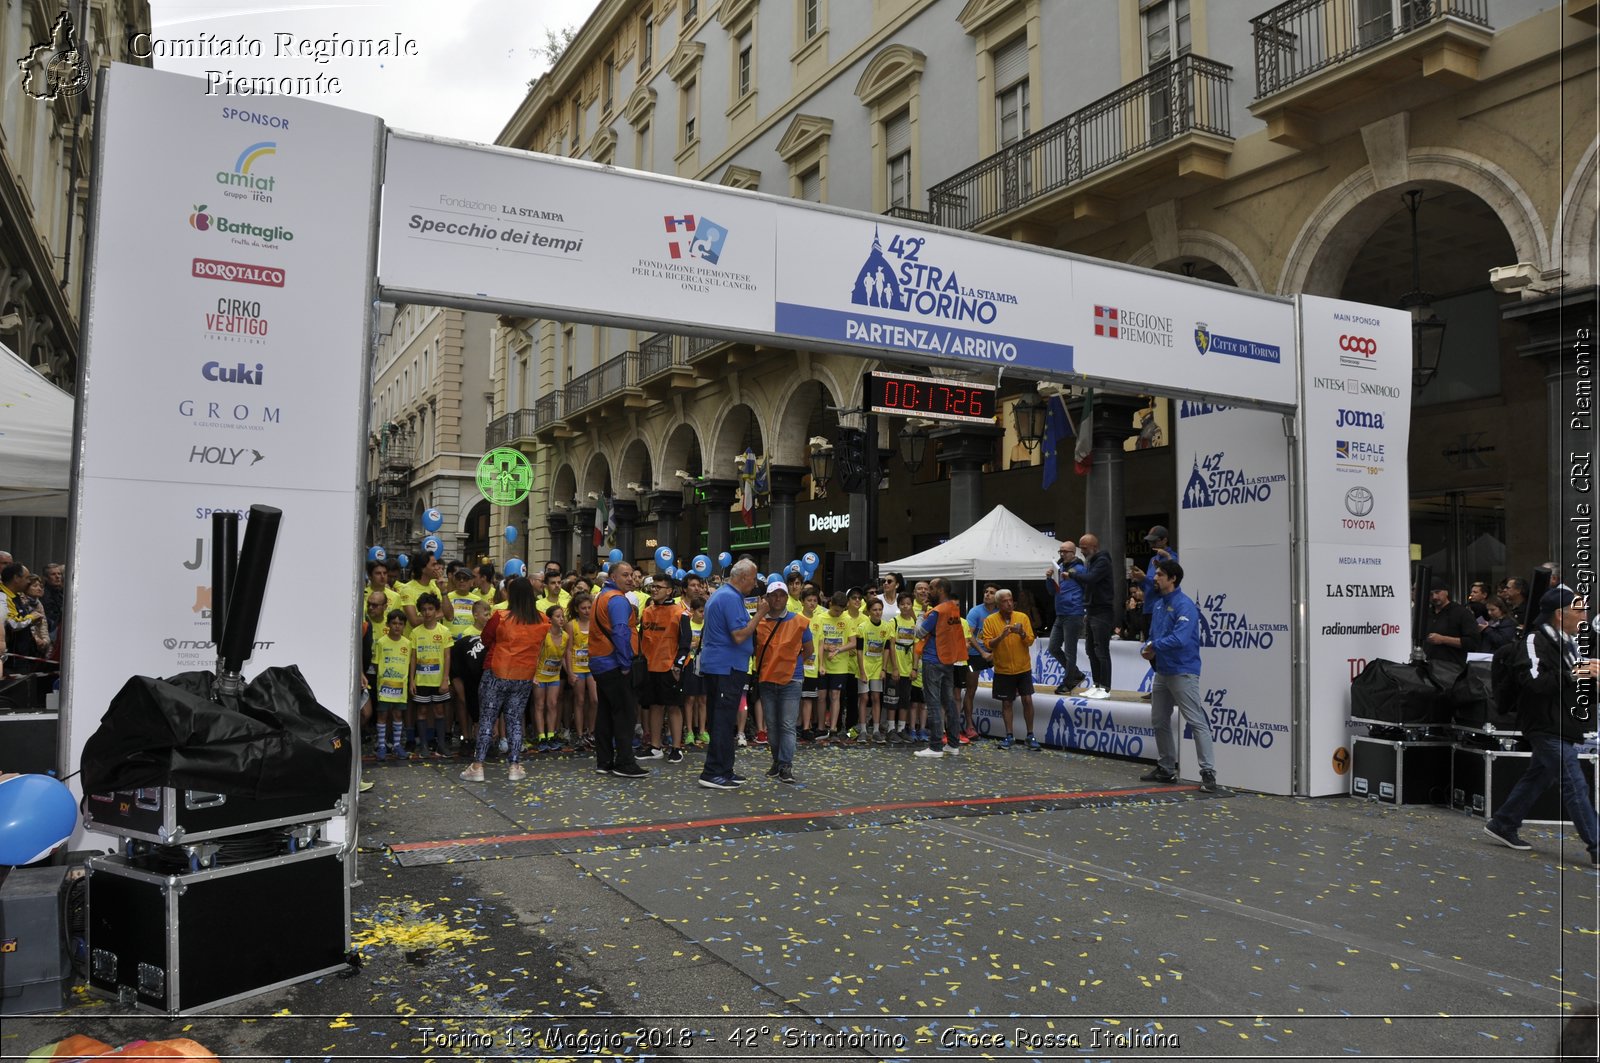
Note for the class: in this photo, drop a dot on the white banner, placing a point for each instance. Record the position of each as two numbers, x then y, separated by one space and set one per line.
224 366
465 222
1233 476
1075 722
1355 429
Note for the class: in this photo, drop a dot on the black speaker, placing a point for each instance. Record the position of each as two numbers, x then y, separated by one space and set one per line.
1538 586
1421 606
845 572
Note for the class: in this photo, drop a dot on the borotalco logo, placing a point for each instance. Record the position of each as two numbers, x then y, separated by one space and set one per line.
201 455
1358 502
1358 419
269 235
1230 629
1367 628
1234 727
1359 345
238 373
1214 481
829 522
236 319
237 272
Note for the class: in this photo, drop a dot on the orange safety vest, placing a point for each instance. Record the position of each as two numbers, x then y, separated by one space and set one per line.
949 643
600 644
781 648
659 643
516 646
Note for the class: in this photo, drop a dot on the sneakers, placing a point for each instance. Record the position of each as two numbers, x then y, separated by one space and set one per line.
1005 743
382 752
772 772
1097 693
742 740
517 773
1505 835
952 751
736 777
473 773
1208 782
963 739
720 782
929 751
880 738
602 769
634 772
1033 743
652 753
364 785
761 738
1066 688
674 756
702 739
785 775
1159 774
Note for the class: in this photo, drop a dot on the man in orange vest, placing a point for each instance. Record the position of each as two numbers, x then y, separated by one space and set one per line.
946 647
783 649
611 649
664 641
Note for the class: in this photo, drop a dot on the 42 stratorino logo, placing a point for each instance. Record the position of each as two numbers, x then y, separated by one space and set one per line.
1228 629
1234 727
1215 481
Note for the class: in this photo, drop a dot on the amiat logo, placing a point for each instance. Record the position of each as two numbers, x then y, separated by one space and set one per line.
695 238
242 182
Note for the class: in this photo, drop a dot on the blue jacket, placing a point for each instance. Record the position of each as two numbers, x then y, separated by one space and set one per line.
618 624
1096 581
1150 592
1175 634
1069 592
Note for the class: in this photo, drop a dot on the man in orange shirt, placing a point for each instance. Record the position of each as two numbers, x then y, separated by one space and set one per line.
783 649
1007 634
946 647
664 641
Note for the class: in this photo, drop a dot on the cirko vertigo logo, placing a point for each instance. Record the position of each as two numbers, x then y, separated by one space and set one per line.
1358 502
238 320
238 272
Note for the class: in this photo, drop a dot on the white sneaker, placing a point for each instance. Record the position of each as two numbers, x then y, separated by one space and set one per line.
743 741
1097 693
952 751
926 752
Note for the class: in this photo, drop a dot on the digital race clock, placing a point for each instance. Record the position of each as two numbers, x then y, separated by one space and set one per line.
932 397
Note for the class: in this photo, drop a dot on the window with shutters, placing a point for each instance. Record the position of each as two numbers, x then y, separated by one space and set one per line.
811 185
608 92
1011 92
647 45
743 60
897 152
689 107
1166 37
810 19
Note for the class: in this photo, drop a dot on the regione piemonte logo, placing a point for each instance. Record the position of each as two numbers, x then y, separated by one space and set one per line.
694 237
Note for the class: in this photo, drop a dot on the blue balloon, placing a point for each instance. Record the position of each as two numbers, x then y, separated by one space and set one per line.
679 574
701 566
724 560
511 533
792 567
432 545
810 557
432 520
37 813
665 557
377 553
614 556
405 562
515 567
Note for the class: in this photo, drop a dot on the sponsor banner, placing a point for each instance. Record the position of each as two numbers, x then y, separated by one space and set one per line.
515 228
1195 338
933 296
1118 727
1355 426
1233 476
225 339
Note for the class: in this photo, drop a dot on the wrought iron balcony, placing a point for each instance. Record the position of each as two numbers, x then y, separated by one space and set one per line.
910 214
546 410
656 355
506 430
1297 39
1186 95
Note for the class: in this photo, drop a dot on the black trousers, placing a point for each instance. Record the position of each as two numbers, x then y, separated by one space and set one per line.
617 715
1097 644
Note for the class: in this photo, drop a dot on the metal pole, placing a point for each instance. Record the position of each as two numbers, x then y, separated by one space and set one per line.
871 458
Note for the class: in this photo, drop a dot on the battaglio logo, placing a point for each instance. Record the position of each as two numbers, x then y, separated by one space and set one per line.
1222 628
268 234
1216 482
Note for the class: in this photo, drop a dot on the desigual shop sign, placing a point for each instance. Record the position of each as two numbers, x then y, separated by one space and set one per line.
828 522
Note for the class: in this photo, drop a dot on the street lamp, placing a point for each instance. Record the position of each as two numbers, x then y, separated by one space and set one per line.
913 445
1427 331
1029 414
821 462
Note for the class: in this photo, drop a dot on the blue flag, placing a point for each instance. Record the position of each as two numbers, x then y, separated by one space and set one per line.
1057 429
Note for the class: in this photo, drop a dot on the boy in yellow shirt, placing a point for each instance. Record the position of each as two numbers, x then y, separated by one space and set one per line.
392 652
430 662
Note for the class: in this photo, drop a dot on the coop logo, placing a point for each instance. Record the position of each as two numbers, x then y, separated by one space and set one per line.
1214 481
237 320
226 415
200 455
1369 628
237 373
1076 724
237 272
1357 351
266 236
689 237
1234 727
1208 342
1358 502
829 522
242 182
1364 345
1358 419
1134 326
1188 408
1222 628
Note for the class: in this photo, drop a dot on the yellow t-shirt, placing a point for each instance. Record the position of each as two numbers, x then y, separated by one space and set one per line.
394 668
391 600
873 638
811 665
1011 655
833 632
461 605
550 657
580 647
431 646
410 592
905 641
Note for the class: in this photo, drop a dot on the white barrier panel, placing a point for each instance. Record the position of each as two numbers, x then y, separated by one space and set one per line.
1233 468
224 366
1355 427
1074 722
474 226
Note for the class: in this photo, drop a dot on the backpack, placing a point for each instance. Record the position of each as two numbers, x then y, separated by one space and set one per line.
1506 669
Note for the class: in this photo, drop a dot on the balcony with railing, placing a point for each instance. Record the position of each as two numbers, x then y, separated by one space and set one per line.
1171 123
511 429
1314 57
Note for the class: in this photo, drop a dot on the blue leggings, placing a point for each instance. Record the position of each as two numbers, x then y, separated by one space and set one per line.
496 695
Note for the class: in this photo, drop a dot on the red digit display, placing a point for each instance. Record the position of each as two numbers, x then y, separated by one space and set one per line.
930 397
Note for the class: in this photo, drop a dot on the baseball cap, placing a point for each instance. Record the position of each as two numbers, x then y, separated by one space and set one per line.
1157 533
1438 585
777 585
1556 598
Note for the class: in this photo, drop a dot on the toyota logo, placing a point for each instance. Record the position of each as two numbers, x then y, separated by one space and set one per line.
1359 345
1358 501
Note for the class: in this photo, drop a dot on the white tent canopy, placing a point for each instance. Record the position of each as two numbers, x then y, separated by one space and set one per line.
35 441
1000 546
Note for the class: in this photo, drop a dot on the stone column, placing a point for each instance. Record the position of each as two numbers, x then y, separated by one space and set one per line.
583 525
627 516
719 496
1104 494
967 449
560 525
668 508
786 481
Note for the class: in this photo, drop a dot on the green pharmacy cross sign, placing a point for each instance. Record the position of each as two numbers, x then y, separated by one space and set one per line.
504 476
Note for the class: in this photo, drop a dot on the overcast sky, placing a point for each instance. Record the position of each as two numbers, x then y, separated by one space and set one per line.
473 59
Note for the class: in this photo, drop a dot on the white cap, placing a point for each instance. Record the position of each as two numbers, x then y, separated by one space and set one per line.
777 585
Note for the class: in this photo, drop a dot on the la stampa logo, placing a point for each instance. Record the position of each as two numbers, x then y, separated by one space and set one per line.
693 237
55 68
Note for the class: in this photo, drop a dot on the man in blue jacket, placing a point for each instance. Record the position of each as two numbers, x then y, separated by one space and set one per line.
1174 650
1068 627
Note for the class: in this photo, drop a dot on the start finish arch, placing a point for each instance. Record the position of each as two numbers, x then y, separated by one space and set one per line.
218 229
